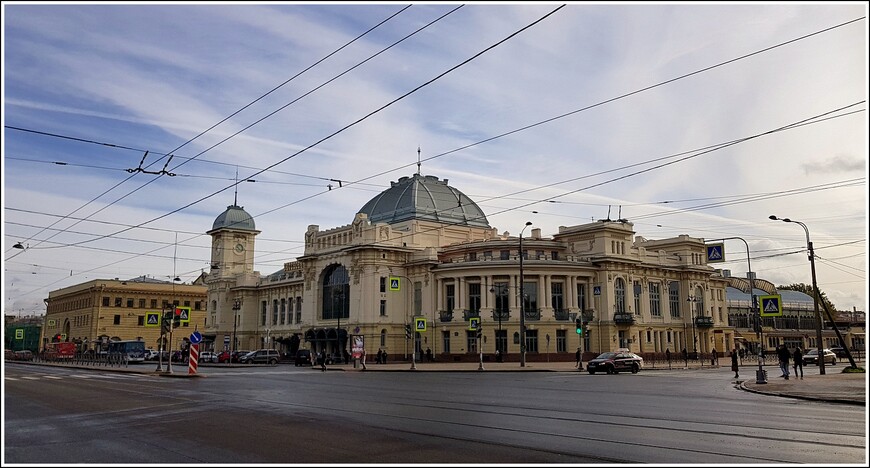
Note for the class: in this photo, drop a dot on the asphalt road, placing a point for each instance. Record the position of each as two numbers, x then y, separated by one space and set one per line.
286 415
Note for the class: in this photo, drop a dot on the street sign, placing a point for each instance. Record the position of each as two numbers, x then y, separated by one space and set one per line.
715 253
19 333
596 290
771 306
196 337
394 283
473 323
420 324
185 314
152 319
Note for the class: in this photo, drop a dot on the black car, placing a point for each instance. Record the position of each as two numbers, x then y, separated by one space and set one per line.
261 356
303 358
613 363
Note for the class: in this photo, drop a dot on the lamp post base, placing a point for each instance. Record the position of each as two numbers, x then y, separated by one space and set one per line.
761 376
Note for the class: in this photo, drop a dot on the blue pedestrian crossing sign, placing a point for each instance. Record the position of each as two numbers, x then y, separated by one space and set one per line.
185 314
420 324
152 319
394 283
473 323
596 290
771 306
715 253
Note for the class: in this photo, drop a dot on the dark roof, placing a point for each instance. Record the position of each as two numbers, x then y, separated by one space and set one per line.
425 198
235 217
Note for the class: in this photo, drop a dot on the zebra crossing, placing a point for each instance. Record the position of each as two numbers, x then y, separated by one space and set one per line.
80 376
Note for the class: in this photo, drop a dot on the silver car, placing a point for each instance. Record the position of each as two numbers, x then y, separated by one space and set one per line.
812 356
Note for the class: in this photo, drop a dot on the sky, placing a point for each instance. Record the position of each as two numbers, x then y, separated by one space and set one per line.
700 119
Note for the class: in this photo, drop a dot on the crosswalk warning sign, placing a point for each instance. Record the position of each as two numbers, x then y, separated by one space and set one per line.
184 314
152 319
420 324
394 283
715 253
771 306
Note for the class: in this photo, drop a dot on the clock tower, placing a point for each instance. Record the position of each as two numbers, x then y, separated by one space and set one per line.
232 244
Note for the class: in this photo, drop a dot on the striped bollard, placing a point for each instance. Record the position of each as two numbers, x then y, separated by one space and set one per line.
194 359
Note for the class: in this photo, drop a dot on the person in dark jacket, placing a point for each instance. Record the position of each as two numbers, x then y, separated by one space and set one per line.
734 366
784 356
798 362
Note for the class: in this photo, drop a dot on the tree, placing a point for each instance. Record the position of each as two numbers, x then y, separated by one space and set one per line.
808 290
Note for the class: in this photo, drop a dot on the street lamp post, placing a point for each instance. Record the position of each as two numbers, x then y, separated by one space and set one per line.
237 305
692 300
522 303
819 344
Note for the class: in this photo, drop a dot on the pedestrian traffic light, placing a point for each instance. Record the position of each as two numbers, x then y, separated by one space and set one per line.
408 331
578 324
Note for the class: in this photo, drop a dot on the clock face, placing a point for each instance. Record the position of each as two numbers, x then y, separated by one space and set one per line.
240 248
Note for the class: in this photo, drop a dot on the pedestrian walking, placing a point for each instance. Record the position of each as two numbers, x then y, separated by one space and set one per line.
734 366
429 355
577 358
798 362
321 359
363 358
380 356
384 357
784 356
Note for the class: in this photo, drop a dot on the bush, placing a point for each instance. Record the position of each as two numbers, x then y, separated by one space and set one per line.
853 370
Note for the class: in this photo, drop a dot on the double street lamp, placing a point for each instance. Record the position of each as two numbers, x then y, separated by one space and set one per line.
692 300
820 345
522 303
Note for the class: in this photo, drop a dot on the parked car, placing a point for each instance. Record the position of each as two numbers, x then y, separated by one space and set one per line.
8 354
23 355
261 356
812 356
151 355
235 355
207 356
303 358
839 352
614 362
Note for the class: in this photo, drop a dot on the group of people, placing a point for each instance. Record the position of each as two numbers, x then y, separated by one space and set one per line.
797 361
381 357
784 356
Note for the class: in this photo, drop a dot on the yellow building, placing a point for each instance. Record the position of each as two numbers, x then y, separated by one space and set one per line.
97 311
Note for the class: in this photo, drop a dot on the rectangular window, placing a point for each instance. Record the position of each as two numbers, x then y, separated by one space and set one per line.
186 303
283 310
474 297
655 300
298 310
674 299
450 303
487 255
472 257
274 312
504 255
638 290
130 303
383 307
118 301
539 254
531 341
141 321
445 341
501 341
561 341
556 296
581 297
530 293
501 299
383 284
554 255
263 311
141 303
197 305
117 320
105 302
471 339
153 303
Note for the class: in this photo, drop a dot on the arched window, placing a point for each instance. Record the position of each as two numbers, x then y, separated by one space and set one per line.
383 337
335 293
619 289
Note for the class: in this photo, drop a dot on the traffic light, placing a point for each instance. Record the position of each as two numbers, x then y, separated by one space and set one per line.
166 322
176 318
479 331
578 324
408 331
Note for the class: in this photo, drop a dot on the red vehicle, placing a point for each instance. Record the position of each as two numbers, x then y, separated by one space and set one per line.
59 351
